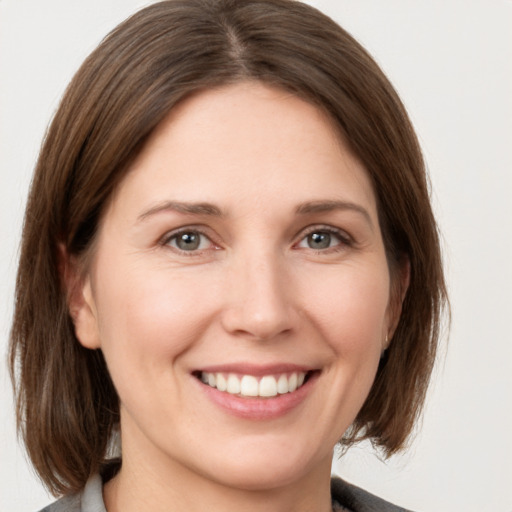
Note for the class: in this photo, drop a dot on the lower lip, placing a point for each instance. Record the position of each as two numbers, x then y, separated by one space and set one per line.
255 408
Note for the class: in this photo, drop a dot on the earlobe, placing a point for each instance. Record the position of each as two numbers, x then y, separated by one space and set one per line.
80 300
398 293
83 313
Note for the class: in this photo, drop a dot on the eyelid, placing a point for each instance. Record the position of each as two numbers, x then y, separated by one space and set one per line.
165 240
346 240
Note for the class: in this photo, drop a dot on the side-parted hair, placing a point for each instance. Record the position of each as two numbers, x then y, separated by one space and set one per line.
67 407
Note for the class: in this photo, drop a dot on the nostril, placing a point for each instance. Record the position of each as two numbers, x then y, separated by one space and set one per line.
259 308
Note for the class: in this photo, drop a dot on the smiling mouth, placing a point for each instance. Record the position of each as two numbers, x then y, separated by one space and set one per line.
265 386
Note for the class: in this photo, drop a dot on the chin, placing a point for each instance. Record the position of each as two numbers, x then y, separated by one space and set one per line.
264 469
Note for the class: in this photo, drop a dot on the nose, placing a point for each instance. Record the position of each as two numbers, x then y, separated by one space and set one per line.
260 303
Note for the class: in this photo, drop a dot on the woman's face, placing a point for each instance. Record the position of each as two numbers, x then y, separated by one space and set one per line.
239 291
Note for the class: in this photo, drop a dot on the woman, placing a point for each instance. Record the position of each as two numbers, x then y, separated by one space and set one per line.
229 258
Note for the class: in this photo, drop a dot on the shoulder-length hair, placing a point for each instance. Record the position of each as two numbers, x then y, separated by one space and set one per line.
67 407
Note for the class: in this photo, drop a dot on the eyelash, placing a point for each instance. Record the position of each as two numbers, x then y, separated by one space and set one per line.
344 239
174 235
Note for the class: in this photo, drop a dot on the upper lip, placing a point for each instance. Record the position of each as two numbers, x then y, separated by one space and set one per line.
256 370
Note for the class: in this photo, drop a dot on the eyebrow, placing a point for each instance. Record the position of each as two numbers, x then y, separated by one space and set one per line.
182 207
210 209
331 205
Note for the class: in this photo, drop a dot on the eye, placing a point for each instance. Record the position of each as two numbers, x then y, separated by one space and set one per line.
189 241
320 239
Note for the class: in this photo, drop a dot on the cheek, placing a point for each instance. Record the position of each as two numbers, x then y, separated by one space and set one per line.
350 309
149 318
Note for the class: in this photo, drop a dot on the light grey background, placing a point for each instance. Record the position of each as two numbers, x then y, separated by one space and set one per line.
451 61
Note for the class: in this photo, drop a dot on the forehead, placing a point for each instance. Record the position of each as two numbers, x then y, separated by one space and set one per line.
244 141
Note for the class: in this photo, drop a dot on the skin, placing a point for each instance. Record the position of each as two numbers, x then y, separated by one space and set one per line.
256 290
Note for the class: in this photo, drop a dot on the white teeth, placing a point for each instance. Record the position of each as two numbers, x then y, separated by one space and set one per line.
233 385
282 385
222 384
248 385
268 386
292 383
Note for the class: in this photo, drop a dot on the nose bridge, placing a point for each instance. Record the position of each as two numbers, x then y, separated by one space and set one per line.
259 303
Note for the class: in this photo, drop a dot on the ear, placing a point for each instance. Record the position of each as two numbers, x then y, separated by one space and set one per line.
80 299
399 287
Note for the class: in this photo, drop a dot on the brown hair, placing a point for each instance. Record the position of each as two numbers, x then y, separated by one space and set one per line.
66 403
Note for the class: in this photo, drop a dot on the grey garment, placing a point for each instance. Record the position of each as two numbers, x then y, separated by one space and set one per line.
346 497
89 500
358 500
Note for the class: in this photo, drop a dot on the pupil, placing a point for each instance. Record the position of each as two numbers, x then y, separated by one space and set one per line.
188 241
319 240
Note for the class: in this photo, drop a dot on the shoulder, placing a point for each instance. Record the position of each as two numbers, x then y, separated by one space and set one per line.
65 504
358 500
89 500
